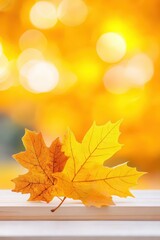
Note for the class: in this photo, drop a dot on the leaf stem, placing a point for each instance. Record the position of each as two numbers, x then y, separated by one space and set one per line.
54 209
60 198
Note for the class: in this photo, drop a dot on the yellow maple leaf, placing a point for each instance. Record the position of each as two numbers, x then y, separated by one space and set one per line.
42 162
85 177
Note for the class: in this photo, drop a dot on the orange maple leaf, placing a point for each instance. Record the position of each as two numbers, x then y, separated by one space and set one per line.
42 162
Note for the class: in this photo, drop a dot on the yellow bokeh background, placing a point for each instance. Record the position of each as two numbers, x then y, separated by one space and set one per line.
71 62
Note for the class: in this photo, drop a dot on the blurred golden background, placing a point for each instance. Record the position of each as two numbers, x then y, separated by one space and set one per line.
71 62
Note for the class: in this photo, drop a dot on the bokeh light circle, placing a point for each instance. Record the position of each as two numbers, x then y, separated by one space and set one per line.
72 13
8 78
115 80
134 73
43 15
111 47
33 38
144 64
4 67
27 55
39 76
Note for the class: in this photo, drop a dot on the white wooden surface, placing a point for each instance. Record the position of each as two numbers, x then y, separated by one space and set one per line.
79 230
145 206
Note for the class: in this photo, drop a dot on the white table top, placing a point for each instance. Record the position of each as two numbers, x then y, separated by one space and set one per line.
78 230
145 206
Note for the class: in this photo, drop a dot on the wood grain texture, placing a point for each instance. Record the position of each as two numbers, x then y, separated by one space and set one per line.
145 206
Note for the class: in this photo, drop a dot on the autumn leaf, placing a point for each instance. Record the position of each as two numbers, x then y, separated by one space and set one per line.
85 177
75 170
42 162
